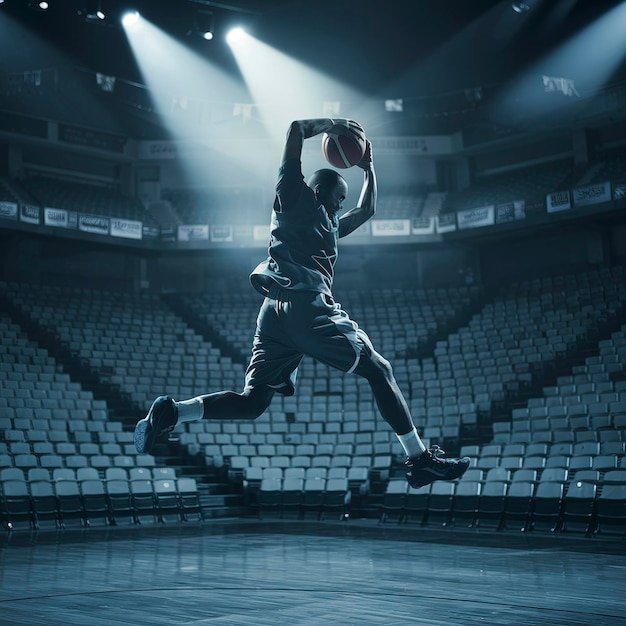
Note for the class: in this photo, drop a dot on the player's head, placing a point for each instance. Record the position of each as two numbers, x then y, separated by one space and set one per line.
330 188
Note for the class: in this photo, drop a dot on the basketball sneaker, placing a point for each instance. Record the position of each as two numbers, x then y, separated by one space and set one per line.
161 419
429 467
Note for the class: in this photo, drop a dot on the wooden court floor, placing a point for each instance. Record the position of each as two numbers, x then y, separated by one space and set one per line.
274 573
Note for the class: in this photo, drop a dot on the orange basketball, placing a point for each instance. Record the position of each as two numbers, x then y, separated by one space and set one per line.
342 148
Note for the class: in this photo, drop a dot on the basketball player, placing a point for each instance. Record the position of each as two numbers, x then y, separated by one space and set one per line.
299 315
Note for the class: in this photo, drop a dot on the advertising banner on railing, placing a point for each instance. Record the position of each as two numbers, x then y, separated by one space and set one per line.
221 232
592 194
128 229
193 232
446 223
391 228
510 211
150 232
619 191
167 149
96 224
30 214
55 217
8 210
558 201
423 226
261 232
475 218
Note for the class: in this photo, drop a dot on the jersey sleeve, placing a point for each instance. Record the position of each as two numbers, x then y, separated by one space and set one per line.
289 186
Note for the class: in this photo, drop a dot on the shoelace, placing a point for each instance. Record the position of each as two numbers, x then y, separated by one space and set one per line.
436 451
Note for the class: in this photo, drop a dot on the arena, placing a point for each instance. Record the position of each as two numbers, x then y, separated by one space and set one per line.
478 293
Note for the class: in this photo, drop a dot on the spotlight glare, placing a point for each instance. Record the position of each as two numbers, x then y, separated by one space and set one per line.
100 15
130 19
236 35
208 35
43 5
522 7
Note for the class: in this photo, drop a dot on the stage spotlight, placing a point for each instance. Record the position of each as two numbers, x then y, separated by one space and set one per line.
523 7
235 35
203 24
39 5
130 19
92 11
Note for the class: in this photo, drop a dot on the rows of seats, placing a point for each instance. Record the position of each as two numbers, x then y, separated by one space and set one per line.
514 341
588 405
94 325
530 184
399 321
357 483
49 421
303 497
64 498
211 205
396 206
84 198
400 324
578 506
611 167
134 342
99 460
558 462
332 422
84 320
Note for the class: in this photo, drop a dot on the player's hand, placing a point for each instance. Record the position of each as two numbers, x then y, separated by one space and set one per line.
354 127
366 162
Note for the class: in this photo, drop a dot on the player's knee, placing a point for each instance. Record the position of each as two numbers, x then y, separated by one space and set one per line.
257 401
384 367
375 368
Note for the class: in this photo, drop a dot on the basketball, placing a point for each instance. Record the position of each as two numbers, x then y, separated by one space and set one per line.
342 148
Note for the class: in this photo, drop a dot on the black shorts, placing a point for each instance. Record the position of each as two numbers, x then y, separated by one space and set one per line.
293 323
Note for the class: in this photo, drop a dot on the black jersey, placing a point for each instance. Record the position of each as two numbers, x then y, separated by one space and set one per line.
303 238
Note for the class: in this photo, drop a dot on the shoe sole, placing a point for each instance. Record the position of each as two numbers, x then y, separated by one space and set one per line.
434 479
140 438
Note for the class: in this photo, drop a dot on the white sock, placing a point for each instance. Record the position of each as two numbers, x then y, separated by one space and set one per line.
190 410
411 443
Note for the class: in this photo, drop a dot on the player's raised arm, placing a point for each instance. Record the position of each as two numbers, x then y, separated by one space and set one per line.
366 206
299 130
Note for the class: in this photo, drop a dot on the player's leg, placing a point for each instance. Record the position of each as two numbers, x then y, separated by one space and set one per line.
329 335
272 368
165 413
425 465
389 398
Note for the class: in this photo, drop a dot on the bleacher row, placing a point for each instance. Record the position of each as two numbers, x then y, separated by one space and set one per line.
301 497
399 321
64 498
530 184
84 198
485 374
135 343
551 504
211 205
514 342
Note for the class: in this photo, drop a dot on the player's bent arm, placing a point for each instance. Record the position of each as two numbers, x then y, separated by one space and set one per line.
366 206
299 130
